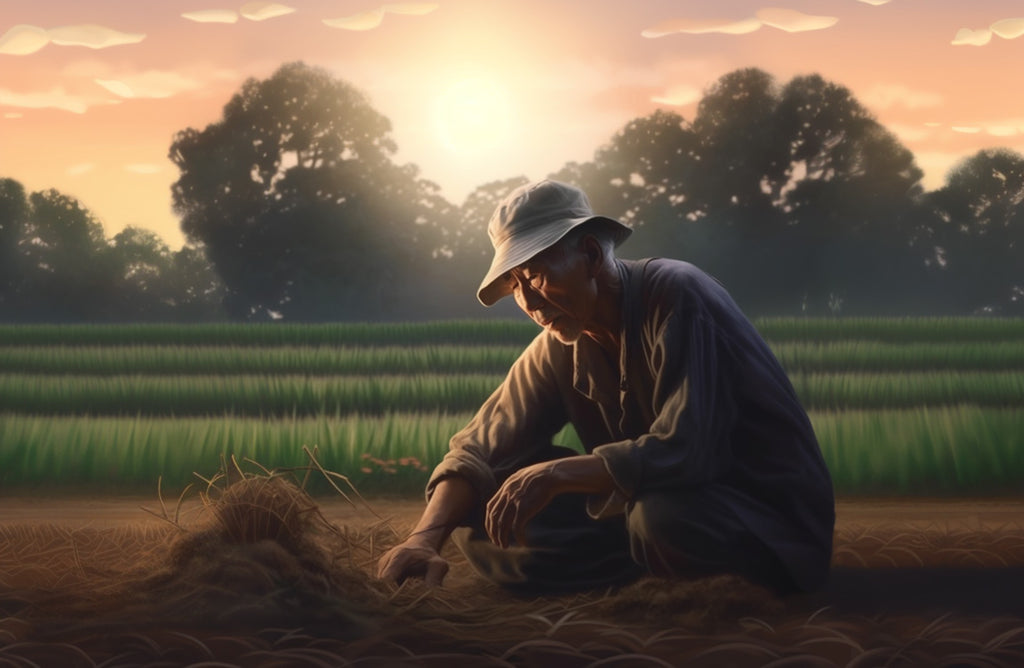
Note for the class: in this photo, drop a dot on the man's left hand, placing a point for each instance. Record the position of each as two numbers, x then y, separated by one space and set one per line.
529 490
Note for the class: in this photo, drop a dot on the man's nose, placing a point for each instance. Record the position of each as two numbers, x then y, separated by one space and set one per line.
531 300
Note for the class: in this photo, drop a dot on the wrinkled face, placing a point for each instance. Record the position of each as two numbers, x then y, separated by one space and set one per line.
555 288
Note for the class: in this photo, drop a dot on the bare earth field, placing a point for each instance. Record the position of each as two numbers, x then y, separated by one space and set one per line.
89 582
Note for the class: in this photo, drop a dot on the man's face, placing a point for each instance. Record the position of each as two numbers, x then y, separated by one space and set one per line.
555 289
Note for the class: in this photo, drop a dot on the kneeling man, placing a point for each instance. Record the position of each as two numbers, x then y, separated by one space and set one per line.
699 457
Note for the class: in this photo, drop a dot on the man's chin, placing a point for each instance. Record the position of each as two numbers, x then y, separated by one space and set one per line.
567 335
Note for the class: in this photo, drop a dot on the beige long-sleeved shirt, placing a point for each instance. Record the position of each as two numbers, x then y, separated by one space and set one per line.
695 398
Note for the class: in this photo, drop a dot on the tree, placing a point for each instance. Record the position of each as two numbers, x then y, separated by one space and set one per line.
295 197
14 210
785 194
67 273
979 232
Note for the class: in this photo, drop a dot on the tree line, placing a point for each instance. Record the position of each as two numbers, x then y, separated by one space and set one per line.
294 208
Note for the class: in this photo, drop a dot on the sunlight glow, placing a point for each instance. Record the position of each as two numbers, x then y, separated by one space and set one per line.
472 116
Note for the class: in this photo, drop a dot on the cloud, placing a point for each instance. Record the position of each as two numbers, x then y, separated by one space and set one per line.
373 18
14 114
55 98
1008 28
149 84
92 36
82 168
791 20
886 96
966 36
678 96
143 168
212 16
966 129
261 11
22 40
702 26
364 21
788 20
876 3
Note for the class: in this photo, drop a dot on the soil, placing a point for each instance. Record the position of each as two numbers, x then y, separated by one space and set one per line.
89 581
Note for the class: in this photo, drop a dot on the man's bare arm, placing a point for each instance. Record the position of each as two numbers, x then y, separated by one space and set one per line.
419 554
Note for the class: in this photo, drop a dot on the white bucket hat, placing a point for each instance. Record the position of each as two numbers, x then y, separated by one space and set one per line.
532 218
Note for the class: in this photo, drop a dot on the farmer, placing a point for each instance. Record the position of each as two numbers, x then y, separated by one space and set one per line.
699 457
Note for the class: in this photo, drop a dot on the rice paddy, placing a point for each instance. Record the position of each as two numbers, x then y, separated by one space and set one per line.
900 406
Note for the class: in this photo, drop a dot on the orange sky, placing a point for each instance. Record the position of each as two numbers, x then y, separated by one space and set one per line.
560 76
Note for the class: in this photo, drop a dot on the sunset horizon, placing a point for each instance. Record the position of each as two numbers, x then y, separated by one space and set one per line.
93 94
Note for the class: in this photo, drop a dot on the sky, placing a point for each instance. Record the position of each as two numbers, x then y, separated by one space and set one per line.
92 92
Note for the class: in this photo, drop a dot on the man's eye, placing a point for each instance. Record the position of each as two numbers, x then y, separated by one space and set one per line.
535 280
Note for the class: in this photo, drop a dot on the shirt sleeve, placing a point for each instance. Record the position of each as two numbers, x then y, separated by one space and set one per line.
513 426
695 409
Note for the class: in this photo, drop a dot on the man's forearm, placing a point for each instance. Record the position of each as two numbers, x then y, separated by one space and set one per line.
451 503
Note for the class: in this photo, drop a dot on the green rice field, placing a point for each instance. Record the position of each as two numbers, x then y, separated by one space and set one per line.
900 406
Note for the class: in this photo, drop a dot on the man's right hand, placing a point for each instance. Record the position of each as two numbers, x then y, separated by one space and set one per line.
412 559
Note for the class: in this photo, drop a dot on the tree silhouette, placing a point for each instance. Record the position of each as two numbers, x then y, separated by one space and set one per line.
298 204
979 232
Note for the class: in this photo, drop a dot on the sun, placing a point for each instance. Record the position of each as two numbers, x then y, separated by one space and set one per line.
472 117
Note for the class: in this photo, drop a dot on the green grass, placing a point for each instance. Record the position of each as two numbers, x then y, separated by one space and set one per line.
900 406
466 332
270 360
796 356
328 395
951 450
893 330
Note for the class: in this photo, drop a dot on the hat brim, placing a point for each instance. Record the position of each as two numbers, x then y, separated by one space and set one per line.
517 250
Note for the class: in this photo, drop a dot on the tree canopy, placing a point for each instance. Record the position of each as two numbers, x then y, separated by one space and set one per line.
296 198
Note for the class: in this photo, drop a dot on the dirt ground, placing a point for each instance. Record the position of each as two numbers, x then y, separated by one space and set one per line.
87 581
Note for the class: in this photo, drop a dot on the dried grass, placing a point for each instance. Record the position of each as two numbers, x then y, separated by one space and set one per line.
259 577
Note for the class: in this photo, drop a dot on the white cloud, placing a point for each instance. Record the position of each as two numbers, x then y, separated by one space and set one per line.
212 16
261 11
678 96
968 37
791 20
1002 130
149 84
783 19
55 98
1008 28
13 115
876 3
364 21
144 168
886 96
92 36
702 26
82 168
22 40
373 18
966 129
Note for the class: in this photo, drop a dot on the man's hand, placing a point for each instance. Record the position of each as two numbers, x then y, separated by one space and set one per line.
411 559
419 555
527 491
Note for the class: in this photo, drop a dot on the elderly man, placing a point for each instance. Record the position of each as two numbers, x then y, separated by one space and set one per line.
699 459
